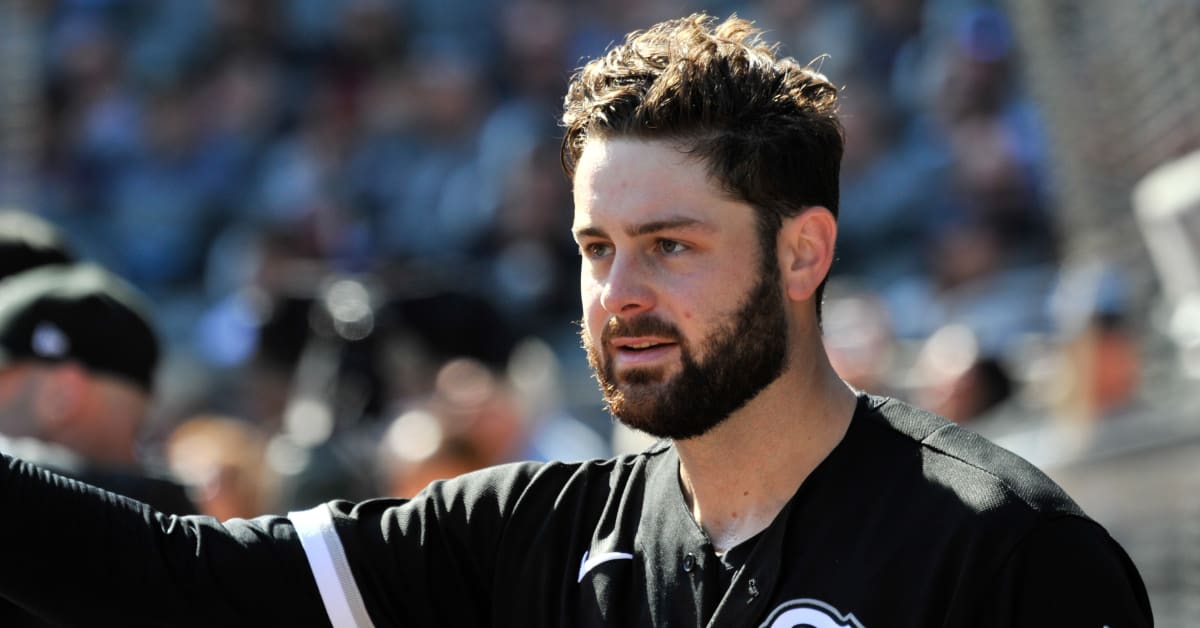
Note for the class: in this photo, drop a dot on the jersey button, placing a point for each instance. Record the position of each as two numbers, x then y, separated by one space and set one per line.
689 562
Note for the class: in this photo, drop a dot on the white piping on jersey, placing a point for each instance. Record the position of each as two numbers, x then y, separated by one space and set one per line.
587 564
327 559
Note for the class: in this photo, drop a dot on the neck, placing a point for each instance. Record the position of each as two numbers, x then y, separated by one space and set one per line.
739 476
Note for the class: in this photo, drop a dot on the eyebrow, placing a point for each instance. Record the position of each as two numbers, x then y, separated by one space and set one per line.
646 228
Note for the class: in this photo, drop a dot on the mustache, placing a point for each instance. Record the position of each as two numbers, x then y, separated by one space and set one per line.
641 326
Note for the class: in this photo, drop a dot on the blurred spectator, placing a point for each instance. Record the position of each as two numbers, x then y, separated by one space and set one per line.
887 29
95 117
884 238
163 207
1088 384
955 379
300 189
416 450
466 25
236 105
478 407
859 339
77 365
555 432
223 462
1100 365
513 416
370 34
812 29
247 25
1104 368
998 192
437 321
535 266
437 209
171 38
529 75
598 25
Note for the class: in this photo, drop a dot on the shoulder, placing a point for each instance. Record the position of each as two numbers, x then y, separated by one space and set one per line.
981 475
538 487
1069 571
545 484
998 518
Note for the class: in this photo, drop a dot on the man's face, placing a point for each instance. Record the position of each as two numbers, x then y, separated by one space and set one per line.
681 323
17 383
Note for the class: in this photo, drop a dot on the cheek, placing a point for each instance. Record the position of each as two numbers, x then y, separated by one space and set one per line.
593 310
589 294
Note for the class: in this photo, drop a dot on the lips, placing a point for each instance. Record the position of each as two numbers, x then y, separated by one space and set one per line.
644 341
640 351
639 345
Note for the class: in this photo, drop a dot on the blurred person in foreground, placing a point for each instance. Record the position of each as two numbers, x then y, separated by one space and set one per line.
704 172
77 362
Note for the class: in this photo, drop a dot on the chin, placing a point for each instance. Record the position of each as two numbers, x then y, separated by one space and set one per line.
677 430
650 409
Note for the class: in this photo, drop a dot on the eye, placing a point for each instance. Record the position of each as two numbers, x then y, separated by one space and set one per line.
595 250
670 247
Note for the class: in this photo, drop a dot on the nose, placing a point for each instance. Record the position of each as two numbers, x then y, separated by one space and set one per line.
627 290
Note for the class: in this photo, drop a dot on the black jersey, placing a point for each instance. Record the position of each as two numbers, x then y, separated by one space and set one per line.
910 521
159 492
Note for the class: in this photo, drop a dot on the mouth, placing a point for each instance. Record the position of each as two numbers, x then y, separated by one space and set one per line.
634 352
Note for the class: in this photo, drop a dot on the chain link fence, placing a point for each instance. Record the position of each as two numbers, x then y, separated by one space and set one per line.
1119 86
1118 82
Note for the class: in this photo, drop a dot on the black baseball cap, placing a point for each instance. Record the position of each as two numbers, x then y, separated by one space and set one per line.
27 241
80 313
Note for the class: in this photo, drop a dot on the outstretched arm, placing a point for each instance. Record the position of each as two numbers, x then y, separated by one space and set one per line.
82 556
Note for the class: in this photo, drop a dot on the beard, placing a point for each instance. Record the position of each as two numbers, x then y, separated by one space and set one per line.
744 354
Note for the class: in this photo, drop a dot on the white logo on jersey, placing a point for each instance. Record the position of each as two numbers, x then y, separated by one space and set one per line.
587 564
809 613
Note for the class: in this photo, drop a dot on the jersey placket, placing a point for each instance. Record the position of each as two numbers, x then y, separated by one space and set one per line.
746 599
679 557
754 586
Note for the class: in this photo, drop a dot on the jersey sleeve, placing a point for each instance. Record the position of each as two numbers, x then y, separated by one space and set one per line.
428 561
1069 572
77 555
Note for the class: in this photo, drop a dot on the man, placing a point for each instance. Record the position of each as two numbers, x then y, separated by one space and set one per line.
77 360
705 182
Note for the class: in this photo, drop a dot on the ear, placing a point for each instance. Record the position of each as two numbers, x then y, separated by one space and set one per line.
59 395
806 242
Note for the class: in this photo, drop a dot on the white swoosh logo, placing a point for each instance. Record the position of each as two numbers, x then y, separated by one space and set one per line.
587 564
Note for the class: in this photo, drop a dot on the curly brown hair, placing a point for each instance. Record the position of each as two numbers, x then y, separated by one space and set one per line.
765 126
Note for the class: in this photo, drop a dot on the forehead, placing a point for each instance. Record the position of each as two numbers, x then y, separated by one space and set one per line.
628 180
